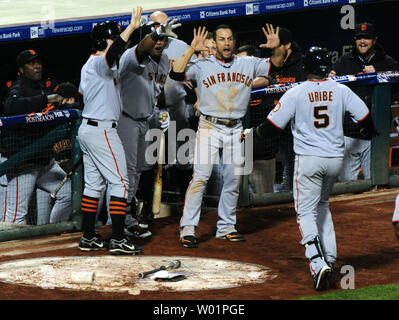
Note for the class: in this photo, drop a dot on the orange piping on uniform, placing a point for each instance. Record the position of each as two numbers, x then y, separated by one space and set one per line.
116 163
364 117
274 124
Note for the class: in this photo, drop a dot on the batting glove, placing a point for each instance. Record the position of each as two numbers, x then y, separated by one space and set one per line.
166 29
164 120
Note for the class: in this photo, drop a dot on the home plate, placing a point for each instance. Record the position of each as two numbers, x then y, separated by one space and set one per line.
120 273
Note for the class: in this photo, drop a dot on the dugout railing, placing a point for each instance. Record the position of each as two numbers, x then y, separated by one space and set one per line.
60 125
383 154
383 173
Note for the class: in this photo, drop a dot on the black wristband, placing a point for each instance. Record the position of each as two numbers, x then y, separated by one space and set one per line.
155 36
178 76
115 51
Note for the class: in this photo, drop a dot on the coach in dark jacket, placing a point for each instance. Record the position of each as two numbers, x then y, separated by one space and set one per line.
30 94
367 56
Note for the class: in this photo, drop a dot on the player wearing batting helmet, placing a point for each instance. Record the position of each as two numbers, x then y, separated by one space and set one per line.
177 96
317 107
143 70
103 31
103 154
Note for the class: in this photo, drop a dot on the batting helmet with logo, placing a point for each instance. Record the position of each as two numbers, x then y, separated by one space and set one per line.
317 61
102 31
148 28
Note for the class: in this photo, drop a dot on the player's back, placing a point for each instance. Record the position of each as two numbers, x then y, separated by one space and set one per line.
175 49
100 89
317 109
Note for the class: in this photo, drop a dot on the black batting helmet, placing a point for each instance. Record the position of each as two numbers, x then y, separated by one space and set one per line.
317 61
148 28
102 31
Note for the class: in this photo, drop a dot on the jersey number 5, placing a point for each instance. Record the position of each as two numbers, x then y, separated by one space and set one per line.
322 118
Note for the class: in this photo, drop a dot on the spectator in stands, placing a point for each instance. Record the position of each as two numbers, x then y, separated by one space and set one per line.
63 155
30 93
286 61
366 56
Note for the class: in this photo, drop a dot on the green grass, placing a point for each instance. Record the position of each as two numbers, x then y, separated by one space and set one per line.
385 292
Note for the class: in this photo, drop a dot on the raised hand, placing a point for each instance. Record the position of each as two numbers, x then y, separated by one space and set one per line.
135 22
273 40
199 37
166 29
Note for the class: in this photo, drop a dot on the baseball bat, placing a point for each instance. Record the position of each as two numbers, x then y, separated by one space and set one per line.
172 265
53 195
157 196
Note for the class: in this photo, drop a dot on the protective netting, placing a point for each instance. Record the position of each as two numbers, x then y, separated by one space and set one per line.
34 161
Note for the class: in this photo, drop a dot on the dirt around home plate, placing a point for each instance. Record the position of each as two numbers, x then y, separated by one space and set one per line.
365 240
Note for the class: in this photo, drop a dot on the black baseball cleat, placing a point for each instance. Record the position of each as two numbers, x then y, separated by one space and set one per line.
189 242
233 236
137 231
124 246
321 281
92 244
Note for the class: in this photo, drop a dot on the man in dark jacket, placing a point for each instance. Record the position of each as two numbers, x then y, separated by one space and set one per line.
367 56
30 94
287 67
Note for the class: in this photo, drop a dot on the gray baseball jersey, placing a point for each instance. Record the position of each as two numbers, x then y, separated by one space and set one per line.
100 87
225 87
318 108
174 90
174 49
141 83
103 154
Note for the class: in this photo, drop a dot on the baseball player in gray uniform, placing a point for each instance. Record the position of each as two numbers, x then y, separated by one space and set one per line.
224 87
395 216
103 154
143 72
180 112
317 109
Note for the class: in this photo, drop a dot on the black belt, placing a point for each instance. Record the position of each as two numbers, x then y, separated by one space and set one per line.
226 122
95 123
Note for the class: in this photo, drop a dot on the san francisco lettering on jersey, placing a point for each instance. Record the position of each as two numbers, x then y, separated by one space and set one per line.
159 78
319 96
227 77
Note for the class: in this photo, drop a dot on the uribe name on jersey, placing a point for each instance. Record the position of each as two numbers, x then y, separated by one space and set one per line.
227 77
319 96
